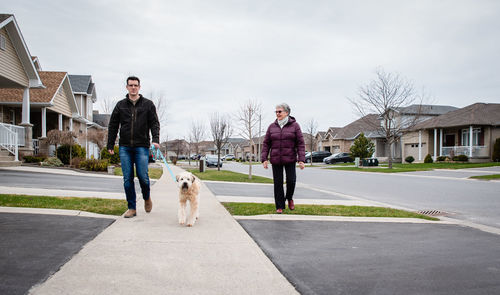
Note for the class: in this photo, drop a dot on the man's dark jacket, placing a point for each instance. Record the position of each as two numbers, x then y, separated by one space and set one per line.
286 145
134 122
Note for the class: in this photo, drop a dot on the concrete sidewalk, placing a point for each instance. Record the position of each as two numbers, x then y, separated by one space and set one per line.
153 254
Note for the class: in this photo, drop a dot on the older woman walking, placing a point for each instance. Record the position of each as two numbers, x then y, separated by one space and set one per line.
285 142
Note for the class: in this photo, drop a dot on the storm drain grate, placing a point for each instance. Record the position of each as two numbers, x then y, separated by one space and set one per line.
432 212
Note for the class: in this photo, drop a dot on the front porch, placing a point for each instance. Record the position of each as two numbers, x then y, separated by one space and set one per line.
472 141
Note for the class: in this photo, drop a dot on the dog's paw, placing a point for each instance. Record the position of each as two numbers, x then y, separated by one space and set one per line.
189 224
182 221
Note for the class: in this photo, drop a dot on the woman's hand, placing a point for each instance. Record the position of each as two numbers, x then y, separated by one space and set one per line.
301 165
264 164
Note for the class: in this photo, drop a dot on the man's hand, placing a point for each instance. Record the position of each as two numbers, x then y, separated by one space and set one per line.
301 165
264 164
111 152
156 145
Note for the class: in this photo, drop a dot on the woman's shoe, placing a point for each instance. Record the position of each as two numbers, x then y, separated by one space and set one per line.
279 211
291 205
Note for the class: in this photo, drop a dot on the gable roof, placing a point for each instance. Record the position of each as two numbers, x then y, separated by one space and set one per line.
9 22
44 96
332 132
365 124
82 84
474 114
425 109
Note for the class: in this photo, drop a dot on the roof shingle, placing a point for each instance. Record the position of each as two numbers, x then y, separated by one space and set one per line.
474 114
51 80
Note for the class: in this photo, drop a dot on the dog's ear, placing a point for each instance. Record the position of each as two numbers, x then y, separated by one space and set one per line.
177 177
193 178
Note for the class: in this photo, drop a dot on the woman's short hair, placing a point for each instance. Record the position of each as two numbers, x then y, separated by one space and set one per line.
284 106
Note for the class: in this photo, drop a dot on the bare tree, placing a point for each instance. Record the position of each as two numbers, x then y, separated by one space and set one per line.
311 128
68 137
162 104
197 133
107 104
54 137
221 130
98 137
385 96
248 117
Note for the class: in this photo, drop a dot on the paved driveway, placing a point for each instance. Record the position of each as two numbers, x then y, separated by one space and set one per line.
324 257
34 246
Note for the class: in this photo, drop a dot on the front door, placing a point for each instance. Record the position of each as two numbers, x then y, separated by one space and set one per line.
449 140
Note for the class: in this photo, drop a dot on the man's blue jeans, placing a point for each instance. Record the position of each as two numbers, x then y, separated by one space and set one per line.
138 156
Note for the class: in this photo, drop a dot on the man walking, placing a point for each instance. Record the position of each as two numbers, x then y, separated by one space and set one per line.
135 116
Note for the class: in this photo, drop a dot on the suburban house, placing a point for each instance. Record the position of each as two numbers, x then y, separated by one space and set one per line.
33 102
326 143
318 139
85 95
339 140
469 131
19 74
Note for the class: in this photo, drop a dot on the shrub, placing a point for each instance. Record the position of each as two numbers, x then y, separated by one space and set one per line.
409 159
441 159
76 152
112 159
362 147
496 151
461 158
94 165
33 159
76 162
428 159
53 162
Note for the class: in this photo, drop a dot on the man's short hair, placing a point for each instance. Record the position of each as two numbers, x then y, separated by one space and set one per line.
134 78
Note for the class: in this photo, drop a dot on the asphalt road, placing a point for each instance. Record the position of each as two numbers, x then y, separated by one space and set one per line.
34 246
264 190
472 200
322 257
25 179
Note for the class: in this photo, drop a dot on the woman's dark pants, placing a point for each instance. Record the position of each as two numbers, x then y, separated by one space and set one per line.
279 194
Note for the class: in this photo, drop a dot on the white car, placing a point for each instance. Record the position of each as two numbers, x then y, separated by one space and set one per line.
228 157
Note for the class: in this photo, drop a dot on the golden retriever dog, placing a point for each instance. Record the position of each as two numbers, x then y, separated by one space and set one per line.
189 188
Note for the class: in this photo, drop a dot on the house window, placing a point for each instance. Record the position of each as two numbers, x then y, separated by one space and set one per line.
475 136
3 42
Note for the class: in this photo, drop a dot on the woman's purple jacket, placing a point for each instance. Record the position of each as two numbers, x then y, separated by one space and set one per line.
286 145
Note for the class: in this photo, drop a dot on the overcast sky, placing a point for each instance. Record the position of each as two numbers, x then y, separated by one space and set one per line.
206 56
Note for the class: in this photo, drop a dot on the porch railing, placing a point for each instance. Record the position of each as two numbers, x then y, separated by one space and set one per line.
9 140
36 147
477 151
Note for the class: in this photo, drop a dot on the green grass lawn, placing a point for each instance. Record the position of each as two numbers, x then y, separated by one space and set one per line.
95 205
250 209
399 167
486 177
154 173
225 175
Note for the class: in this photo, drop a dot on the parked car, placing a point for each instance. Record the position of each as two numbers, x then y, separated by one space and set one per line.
228 157
182 157
338 158
195 156
317 156
211 160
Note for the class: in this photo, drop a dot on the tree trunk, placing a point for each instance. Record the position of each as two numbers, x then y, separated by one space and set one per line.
218 160
389 158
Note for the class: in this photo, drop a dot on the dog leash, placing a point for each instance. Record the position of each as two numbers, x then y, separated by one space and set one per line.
157 155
